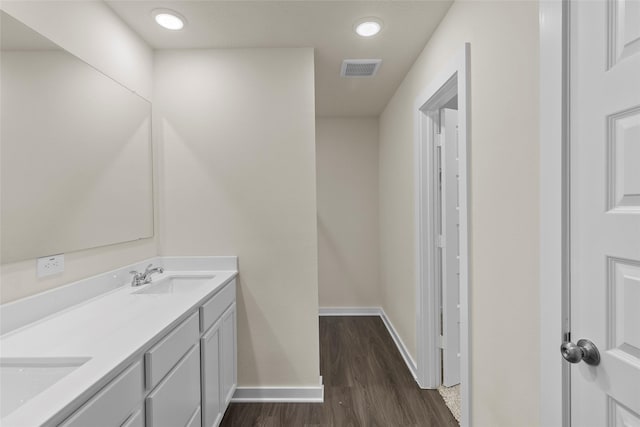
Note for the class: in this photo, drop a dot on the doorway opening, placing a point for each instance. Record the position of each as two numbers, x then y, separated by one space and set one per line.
441 142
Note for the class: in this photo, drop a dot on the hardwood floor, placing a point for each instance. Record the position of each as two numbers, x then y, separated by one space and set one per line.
366 384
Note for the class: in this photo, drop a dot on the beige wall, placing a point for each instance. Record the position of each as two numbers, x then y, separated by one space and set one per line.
347 174
504 201
237 133
91 31
94 33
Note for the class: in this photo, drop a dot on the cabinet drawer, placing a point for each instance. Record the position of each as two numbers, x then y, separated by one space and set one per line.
135 420
174 401
213 309
159 360
114 403
195 419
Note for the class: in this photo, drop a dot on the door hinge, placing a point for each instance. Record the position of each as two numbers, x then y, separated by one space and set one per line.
438 139
441 341
441 241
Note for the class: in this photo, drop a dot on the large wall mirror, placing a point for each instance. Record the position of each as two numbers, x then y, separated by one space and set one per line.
75 152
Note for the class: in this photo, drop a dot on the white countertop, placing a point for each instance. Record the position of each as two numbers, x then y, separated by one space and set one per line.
111 329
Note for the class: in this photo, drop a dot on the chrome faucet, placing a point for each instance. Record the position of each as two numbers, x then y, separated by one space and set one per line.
144 278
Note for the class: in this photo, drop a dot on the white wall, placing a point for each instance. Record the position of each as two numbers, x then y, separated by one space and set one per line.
237 134
348 245
504 202
91 31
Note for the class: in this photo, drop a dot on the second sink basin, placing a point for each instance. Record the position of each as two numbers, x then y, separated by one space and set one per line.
175 284
23 378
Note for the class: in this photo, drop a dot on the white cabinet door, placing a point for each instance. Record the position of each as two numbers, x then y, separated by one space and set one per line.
210 347
228 354
605 210
174 401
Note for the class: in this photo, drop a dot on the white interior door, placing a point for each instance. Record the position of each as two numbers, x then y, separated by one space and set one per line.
605 209
450 229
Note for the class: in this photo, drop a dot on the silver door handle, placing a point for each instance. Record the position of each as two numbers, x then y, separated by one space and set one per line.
585 350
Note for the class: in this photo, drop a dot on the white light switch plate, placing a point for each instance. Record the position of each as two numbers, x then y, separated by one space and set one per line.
49 265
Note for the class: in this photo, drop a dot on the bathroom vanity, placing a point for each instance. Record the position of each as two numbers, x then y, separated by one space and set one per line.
100 352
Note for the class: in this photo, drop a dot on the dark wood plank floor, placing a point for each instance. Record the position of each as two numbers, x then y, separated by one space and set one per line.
366 384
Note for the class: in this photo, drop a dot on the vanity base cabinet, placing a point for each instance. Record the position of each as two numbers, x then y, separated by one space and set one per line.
173 402
188 379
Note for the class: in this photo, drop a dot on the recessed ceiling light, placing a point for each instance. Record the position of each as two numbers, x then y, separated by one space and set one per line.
169 19
368 27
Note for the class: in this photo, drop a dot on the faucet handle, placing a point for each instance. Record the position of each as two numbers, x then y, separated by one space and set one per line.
137 277
146 270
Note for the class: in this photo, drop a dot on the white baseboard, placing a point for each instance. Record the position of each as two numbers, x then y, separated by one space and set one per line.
376 311
315 394
312 394
408 360
349 311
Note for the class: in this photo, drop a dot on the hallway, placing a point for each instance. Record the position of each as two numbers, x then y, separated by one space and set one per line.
366 383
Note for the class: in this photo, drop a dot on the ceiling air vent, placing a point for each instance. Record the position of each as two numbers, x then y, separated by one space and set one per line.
360 67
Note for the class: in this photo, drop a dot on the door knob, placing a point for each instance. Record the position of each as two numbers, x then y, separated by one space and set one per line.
585 350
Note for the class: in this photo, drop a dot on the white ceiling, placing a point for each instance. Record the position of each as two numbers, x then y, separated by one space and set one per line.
326 26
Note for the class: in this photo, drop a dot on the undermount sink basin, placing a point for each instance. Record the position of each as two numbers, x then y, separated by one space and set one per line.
175 285
21 379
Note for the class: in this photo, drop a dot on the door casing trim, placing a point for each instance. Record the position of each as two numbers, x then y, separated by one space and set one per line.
554 212
454 78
